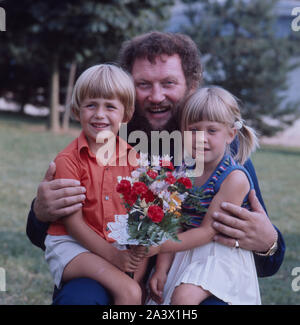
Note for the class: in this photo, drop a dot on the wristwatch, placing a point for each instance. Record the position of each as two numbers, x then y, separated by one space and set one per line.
272 250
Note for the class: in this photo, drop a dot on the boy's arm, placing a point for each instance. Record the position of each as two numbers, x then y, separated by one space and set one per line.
78 229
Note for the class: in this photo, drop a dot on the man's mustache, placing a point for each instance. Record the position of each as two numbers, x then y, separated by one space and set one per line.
166 105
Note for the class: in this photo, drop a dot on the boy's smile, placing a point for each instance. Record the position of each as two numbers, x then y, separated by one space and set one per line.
98 115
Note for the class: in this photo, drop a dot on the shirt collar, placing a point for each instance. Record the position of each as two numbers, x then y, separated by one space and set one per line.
122 147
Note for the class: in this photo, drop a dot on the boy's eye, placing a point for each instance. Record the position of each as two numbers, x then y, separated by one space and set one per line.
110 106
90 105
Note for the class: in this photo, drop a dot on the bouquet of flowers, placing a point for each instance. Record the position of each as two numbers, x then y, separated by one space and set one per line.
152 197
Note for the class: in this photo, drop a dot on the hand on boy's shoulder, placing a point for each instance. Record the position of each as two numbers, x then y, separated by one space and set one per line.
57 198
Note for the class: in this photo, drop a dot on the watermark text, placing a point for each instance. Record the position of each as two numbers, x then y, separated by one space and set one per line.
296 280
188 148
296 21
2 279
2 20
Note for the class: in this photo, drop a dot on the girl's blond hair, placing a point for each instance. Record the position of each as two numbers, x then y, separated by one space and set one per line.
218 105
104 81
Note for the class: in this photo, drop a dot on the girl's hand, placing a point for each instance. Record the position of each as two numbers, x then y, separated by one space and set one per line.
157 283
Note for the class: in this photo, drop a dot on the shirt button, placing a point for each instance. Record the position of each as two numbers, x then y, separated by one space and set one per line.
106 198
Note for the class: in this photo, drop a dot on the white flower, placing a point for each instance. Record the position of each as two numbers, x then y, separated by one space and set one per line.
166 158
135 174
165 195
143 160
155 160
158 186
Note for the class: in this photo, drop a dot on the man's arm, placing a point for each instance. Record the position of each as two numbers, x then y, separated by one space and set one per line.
253 230
55 199
36 230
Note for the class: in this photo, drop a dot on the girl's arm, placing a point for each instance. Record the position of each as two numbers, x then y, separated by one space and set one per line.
78 229
234 189
159 277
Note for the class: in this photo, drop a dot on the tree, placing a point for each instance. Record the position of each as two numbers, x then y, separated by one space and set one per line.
55 33
242 54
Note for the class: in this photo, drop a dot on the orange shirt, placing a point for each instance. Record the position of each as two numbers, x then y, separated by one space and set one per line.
102 201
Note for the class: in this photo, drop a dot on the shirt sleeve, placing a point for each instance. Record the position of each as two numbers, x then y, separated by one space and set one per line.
36 230
67 167
266 265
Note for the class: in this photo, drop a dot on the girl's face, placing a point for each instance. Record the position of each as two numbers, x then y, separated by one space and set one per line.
216 137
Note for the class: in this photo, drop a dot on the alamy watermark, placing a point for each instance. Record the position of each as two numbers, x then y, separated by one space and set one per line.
2 20
296 280
295 25
188 148
2 279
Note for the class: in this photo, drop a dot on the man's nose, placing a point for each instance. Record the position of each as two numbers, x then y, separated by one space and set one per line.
157 94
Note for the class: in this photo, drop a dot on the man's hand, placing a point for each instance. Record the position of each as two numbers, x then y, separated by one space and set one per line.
57 198
253 229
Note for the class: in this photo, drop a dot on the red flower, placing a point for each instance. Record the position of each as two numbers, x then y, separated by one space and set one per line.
185 181
152 173
155 213
130 198
167 164
170 178
124 186
149 196
139 188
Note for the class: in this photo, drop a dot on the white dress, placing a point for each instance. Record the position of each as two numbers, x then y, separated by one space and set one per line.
227 273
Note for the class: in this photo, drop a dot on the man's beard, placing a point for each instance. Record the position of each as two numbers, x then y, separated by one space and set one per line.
141 123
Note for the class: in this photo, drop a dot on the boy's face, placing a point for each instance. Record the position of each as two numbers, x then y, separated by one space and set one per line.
99 115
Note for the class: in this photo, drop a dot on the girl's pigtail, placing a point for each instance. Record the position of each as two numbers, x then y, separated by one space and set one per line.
248 141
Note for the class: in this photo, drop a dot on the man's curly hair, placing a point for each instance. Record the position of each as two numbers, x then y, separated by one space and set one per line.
154 44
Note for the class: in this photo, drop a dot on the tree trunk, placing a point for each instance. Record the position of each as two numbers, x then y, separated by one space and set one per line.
71 80
54 96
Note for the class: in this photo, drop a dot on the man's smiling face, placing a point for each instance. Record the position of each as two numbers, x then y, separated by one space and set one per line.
160 86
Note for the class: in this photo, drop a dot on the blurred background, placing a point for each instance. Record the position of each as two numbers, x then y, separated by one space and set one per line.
247 47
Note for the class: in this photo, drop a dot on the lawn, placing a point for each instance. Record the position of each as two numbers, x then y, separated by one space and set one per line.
26 150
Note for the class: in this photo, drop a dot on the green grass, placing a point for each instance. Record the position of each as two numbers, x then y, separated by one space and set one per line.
26 150
278 172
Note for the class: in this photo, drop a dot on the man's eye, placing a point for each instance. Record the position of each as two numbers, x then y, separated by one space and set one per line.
143 85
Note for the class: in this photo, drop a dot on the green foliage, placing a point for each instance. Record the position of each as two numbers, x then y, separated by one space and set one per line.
41 34
149 233
242 54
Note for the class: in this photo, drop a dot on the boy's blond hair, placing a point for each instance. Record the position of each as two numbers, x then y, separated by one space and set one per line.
219 105
104 81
